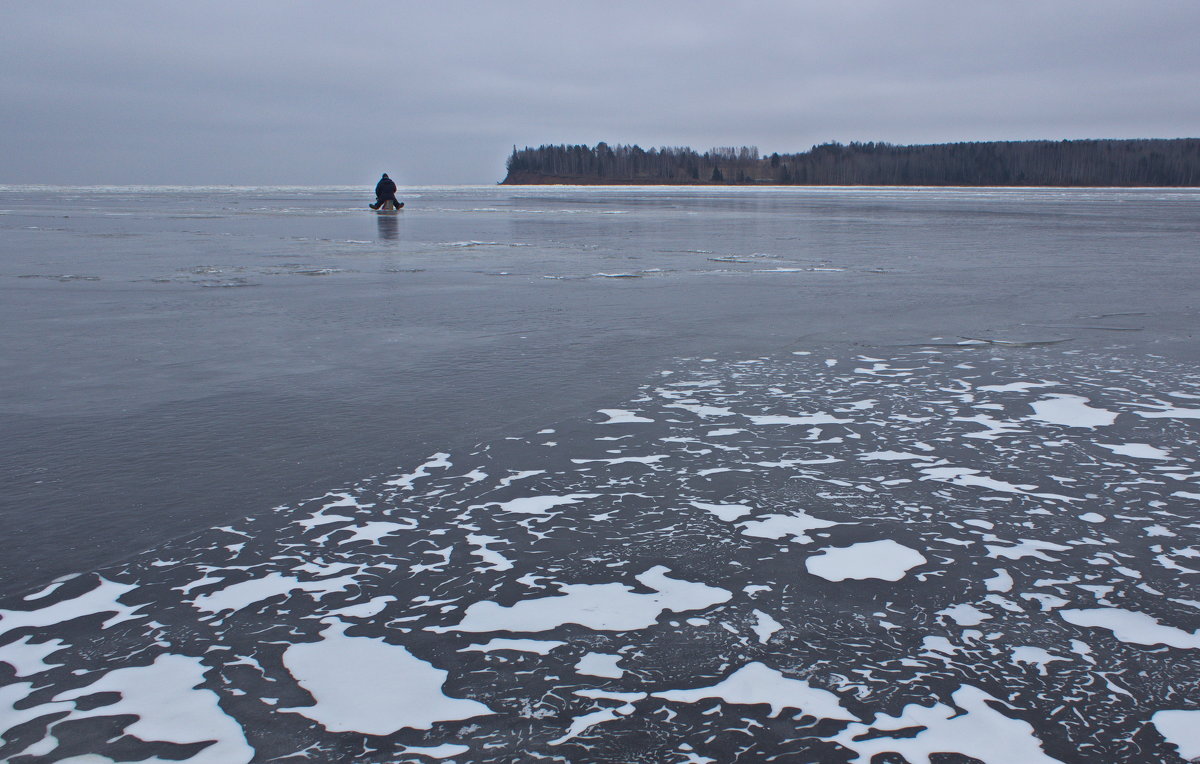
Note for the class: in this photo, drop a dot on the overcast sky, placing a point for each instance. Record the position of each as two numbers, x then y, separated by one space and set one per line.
266 92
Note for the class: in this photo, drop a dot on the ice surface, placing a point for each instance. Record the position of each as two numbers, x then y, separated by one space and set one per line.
757 683
887 560
364 684
450 576
604 607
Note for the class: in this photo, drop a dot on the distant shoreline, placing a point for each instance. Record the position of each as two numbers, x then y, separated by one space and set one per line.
551 180
1138 163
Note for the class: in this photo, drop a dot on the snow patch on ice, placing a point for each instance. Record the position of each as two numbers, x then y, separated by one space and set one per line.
1015 387
1035 656
1136 450
1171 413
494 559
103 599
604 607
1070 411
537 505
726 512
600 664
1025 548
366 685
978 730
765 626
170 707
28 657
886 560
1181 729
968 477
795 525
1001 582
245 593
894 456
756 683
809 419
1133 627
621 416
443 751
965 614
539 646
406 482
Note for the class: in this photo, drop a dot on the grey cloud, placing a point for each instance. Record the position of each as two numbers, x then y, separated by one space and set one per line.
284 92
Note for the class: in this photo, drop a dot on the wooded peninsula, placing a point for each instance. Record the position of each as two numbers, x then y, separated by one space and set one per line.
1140 162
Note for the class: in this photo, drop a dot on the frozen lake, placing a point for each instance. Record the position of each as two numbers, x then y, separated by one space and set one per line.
601 474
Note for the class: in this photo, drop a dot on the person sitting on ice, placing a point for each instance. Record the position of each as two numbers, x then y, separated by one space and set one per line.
385 191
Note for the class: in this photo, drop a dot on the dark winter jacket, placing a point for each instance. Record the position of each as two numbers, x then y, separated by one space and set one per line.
385 187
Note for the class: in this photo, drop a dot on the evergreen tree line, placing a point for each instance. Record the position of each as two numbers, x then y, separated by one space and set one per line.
1139 162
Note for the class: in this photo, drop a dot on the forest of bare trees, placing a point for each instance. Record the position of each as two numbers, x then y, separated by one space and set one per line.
1140 162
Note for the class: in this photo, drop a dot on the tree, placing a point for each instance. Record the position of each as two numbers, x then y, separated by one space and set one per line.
1039 163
